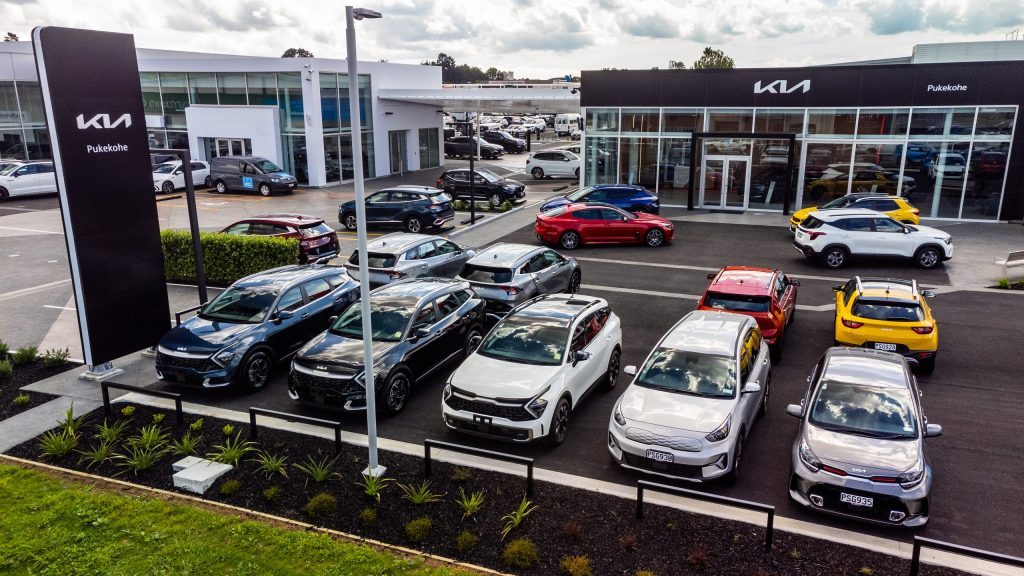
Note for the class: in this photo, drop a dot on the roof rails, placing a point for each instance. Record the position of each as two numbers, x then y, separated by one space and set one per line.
912 284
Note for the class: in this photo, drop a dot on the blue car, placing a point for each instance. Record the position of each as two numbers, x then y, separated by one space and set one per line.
411 207
236 338
625 196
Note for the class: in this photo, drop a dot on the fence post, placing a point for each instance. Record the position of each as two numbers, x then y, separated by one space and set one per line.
915 558
639 501
106 398
252 423
769 531
179 413
337 439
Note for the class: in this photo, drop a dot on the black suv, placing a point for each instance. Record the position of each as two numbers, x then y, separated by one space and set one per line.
486 184
463 146
419 326
505 140
411 207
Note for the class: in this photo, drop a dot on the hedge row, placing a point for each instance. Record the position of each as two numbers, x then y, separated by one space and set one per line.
226 257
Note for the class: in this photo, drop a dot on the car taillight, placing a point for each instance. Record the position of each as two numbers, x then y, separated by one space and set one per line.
916 212
852 324
923 329
814 235
527 160
510 290
437 183
394 273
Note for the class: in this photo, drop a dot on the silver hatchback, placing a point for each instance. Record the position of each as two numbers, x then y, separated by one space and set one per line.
506 275
403 255
860 448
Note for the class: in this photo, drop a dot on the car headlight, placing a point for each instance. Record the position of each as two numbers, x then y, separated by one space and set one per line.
225 355
665 225
617 415
808 458
911 478
277 179
537 405
948 240
722 432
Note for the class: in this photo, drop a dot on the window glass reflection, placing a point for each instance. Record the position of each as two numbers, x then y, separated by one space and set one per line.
986 172
682 120
938 170
739 120
831 121
602 160
995 121
603 120
674 169
643 120
770 120
769 172
883 122
826 172
942 122
638 161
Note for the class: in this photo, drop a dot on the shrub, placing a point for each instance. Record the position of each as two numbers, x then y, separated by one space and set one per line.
321 505
373 486
417 530
270 464
6 369
1003 283
794 554
21 400
226 257
55 357
470 504
644 573
866 571
70 423
576 566
196 426
628 542
187 445
139 458
232 450
368 516
572 531
698 557
318 471
111 432
4 349
461 474
58 443
158 418
514 518
25 355
465 541
419 494
521 553
98 455
149 438
128 411
230 487
228 430
459 205
505 206
272 493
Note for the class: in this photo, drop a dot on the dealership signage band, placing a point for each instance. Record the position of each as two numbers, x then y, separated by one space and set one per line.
93 103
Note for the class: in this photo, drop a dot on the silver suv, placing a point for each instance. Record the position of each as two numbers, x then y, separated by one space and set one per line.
860 448
403 255
506 275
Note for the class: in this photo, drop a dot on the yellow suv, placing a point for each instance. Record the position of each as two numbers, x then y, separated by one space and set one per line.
890 315
894 206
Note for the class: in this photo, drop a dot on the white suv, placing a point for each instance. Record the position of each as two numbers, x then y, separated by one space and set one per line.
27 178
693 403
533 368
553 163
836 235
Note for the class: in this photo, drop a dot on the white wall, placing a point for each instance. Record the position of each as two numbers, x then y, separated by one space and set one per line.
258 123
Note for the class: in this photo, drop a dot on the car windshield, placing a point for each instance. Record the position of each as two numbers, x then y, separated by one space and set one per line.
318 229
488 175
577 194
504 134
841 202
527 340
738 302
267 166
689 373
864 409
486 275
388 318
164 168
885 310
8 170
247 304
377 260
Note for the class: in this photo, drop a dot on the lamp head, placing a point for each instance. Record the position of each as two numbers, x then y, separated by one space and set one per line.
361 13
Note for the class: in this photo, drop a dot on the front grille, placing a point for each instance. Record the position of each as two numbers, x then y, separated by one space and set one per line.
327 387
513 413
673 442
492 430
197 364
680 470
880 511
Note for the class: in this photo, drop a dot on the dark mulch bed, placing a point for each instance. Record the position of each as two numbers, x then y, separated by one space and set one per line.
1018 285
568 521
23 376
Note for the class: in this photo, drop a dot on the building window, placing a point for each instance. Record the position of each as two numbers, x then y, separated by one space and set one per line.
942 123
369 165
177 140
602 159
828 122
638 161
429 148
769 173
157 139
289 93
329 102
231 89
602 121
883 122
741 120
780 121
826 172
937 169
174 95
640 120
295 161
682 120
995 121
986 172
262 89
151 93
202 88
674 169
332 159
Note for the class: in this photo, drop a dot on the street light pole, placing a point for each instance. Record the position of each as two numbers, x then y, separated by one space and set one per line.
369 376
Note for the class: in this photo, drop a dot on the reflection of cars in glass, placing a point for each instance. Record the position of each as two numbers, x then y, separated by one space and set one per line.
419 326
859 451
236 337
894 206
766 295
988 164
776 155
762 183
316 238
863 181
402 255
727 146
694 401
507 275
541 360
916 153
597 223
949 165
169 176
632 198
486 184
411 207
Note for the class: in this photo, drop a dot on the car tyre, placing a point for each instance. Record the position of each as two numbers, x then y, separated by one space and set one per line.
473 339
654 238
264 189
413 224
763 409
560 422
255 370
4 194
927 366
569 240
537 173
495 200
737 462
221 187
208 182
574 283
611 377
576 173
395 393
349 221
927 257
167 187
777 349
835 257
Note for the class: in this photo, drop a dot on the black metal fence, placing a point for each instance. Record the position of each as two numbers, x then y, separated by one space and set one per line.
919 543
179 415
528 462
336 426
642 485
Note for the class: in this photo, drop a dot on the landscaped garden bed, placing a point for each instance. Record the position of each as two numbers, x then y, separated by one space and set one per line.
22 367
570 530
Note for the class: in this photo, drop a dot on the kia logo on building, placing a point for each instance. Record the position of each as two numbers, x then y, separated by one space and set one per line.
781 87
102 121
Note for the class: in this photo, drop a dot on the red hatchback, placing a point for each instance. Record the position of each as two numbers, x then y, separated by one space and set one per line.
590 223
316 238
769 296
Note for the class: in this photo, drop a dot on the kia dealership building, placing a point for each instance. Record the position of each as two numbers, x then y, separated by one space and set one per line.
941 128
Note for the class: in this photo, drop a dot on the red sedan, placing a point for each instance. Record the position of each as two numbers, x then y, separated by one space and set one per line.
575 224
769 296
316 238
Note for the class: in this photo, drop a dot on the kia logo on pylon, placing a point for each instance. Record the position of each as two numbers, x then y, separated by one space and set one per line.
781 87
102 121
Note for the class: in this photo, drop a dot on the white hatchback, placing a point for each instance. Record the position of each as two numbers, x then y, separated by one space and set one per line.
553 163
25 178
169 176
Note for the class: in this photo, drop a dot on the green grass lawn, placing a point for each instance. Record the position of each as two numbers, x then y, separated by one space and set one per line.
59 527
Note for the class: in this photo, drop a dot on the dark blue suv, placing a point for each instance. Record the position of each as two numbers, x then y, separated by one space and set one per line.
238 336
625 196
411 207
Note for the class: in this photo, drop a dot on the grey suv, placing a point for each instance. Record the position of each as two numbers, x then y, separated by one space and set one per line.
403 255
860 448
506 275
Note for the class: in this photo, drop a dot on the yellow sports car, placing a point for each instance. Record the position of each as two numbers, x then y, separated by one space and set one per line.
894 206
890 315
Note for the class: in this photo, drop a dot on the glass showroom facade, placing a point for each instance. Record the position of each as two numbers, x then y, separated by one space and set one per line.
950 161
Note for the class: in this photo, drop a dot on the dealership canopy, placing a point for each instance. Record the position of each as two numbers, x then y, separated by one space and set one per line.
525 100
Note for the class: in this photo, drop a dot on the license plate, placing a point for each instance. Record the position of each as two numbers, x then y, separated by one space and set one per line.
884 346
855 500
292 185
660 456
801 235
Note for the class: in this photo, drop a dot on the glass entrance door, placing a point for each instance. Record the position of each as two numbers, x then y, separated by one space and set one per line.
725 182
396 148
737 173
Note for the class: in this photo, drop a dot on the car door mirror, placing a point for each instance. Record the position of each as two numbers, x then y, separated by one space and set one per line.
421 332
795 410
629 370
928 293
752 387
838 288
282 315
794 282
711 275
580 356
932 430
177 172
332 320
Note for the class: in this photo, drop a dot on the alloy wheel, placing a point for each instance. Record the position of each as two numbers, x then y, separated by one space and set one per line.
473 341
835 258
560 422
258 371
570 240
351 222
397 393
413 225
264 190
928 258
574 283
655 238
495 200
613 369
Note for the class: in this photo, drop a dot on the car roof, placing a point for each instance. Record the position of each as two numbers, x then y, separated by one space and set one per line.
419 289
286 275
412 188
709 332
503 254
285 218
830 215
561 308
888 289
746 280
865 366
398 242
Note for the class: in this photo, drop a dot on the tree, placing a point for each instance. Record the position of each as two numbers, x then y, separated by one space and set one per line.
297 53
712 58
676 65
11 37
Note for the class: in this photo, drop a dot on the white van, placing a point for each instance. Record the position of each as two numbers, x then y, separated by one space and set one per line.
564 124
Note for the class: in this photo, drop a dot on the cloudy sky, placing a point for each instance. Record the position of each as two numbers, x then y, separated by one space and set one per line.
542 38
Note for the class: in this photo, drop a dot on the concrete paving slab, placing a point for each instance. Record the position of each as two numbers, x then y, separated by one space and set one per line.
200 476
186 462
32 423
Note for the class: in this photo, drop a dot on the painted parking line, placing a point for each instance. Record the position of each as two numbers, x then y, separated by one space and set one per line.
33 289
186 206
30 230
59 307
679 296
